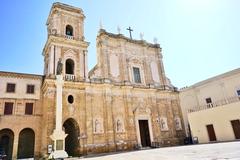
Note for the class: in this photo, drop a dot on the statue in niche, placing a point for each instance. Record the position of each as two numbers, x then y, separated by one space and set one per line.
97 128
59 66
163 123
178 123
119 126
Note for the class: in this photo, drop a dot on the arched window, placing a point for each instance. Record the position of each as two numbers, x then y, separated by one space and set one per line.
69 66
69 30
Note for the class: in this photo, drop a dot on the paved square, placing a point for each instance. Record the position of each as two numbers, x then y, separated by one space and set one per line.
217 151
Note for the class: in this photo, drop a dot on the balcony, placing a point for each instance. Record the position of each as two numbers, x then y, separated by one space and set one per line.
69 77
69 37
215 104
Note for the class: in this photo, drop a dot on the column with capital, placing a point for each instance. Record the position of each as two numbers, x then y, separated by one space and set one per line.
58 135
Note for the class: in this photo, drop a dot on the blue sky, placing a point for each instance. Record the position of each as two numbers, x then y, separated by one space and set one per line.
199 38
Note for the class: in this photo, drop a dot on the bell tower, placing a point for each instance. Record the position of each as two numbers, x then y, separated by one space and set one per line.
66 42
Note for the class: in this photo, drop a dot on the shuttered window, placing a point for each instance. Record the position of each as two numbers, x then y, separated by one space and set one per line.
29 109
136 74
8 108
11 87
30 89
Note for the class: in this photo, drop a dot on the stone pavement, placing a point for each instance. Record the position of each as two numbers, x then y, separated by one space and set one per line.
216 151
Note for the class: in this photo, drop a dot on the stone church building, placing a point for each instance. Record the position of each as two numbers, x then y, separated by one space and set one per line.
125 102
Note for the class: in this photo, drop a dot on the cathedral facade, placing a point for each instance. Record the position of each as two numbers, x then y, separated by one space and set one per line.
125 102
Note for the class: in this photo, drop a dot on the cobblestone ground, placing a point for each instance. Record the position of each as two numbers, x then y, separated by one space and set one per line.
216 151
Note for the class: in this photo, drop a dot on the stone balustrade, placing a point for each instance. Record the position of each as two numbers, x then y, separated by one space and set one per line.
215 104
69 37
69 77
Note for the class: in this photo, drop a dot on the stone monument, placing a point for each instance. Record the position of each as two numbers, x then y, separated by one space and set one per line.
58 135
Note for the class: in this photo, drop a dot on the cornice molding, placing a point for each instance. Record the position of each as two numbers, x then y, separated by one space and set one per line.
21 75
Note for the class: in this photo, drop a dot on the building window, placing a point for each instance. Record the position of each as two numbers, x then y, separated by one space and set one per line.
8 108
30 89
209 102
11 87
69 30
70 99
136 74
69 66
29 109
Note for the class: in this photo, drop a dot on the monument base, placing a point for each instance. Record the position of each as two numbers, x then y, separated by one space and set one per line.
58 137
58 154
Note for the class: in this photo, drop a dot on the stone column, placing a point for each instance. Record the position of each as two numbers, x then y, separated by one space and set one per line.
51 60
15 146
58 135
81 62
86 63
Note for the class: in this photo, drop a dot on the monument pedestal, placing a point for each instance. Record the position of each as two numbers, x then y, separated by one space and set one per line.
59 144
58 135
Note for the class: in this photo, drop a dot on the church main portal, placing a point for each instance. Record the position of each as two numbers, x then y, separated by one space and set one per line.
144 133
72 139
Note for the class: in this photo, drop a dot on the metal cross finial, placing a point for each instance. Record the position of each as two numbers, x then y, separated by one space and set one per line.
130 31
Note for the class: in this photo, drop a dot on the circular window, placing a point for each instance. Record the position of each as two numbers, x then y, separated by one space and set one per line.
70 99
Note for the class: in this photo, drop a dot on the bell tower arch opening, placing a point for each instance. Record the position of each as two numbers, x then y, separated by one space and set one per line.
69 66
69 30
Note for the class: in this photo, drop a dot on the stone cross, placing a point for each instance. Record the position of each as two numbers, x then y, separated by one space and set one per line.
155 40
100 24
130 31
119 30
141 36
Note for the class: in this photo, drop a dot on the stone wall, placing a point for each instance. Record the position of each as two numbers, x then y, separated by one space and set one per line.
107 115
18 120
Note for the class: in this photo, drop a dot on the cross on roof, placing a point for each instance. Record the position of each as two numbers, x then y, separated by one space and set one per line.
130 31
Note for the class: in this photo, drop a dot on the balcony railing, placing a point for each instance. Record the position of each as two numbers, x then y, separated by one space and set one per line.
215 104
69 77
69 37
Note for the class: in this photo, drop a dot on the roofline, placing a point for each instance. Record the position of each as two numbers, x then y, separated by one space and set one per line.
121 36
5 73
217 77
66 7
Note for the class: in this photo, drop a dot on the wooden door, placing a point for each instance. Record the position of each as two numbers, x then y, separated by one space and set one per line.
144 133
6 142
236 128
26 144
211 133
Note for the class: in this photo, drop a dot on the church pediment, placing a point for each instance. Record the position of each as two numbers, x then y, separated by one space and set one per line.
142 110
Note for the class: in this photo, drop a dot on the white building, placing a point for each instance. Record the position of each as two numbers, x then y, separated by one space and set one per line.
212 108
